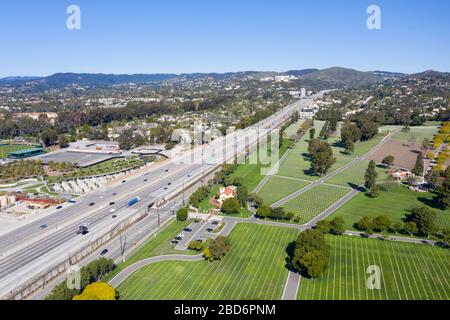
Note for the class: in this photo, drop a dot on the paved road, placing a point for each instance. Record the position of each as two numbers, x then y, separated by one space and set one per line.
122 276
291 286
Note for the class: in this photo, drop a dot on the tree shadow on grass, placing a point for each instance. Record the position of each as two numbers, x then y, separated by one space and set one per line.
290 254
432 203
356 187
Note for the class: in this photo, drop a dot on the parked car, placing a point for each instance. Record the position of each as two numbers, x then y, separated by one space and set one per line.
188 229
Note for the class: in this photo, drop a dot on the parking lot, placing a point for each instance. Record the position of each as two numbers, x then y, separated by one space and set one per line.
201 230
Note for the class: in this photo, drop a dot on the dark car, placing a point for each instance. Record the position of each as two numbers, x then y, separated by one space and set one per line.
124 181
114 216
44 226
104 252
169 184
58 207
145 180
210 229
188 229
179 238
91 204
174 242
114 194
167 170
112 203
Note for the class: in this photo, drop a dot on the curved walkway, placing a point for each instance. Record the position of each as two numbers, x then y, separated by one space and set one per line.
128 271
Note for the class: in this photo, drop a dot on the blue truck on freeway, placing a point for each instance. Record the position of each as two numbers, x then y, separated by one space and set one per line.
133 201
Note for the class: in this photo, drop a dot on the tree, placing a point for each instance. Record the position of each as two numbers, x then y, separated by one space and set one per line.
349 146
370 178
411 228
398 227
311 253
350 132
424 218
218 248
63 142
314 263
242 196
312 133
322 157
231 206
324 226
98 291
381 223
388 161
365 224
264 211
49 137
337 226
126 139
196 245
446 235
444 190
182 214
418 168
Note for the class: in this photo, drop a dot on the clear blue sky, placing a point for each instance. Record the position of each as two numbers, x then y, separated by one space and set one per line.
222 35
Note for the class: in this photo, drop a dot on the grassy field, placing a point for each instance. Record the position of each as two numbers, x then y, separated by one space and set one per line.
416 133
6 149
155 246
277 188
315 201
408 272
394 204
253 269
354 175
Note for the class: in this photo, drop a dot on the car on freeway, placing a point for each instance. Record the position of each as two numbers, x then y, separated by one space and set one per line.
91 204
114 216
167 170
165 188
145 180
112 210
112 203
124 181
44 226
58 207
169 184
114 194
104 252
72 201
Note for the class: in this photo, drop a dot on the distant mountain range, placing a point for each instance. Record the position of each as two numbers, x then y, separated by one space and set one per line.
335 77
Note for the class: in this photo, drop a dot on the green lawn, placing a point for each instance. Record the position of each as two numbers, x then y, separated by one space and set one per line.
315 201
160 244
408 272
277 188
6 149
253 269
417 134
354 175
394 204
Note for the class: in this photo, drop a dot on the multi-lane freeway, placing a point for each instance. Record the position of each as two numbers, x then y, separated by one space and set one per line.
26 251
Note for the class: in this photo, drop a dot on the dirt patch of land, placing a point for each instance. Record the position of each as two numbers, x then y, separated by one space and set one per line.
405 153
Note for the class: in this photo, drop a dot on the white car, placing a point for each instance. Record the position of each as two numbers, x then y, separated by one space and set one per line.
181 235
112 210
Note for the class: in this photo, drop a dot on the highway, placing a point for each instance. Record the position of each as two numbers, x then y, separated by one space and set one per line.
27 245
